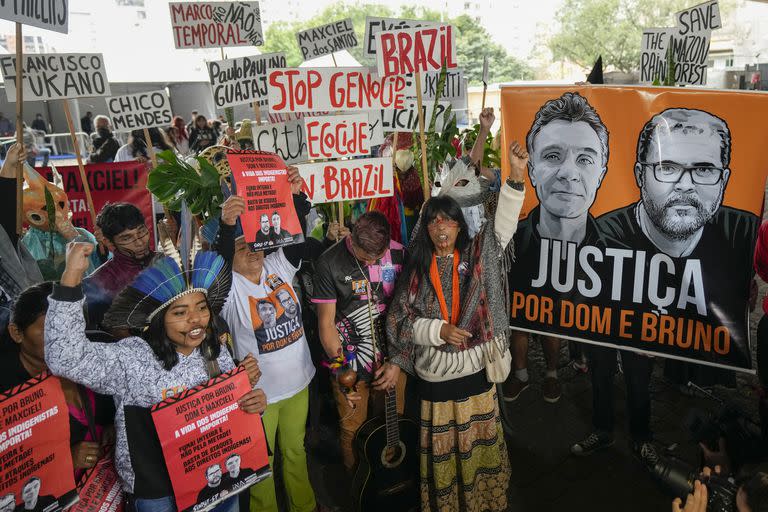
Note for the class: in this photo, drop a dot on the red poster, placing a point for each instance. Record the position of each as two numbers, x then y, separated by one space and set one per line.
110 182
36 470
270 220
213 449
100 489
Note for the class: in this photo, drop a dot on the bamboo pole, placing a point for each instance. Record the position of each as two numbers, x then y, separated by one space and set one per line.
422 139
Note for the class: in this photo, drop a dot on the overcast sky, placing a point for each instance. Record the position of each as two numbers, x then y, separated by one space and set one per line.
137 49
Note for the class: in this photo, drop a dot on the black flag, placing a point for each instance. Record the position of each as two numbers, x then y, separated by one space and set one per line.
596 75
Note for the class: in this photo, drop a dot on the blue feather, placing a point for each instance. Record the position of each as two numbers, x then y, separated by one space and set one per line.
162 281
207 267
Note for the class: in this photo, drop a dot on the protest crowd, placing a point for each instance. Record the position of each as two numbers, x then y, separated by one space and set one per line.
175 346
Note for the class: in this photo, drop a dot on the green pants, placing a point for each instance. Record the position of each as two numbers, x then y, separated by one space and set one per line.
287 419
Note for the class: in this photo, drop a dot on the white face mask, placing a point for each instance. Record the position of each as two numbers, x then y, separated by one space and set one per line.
457 180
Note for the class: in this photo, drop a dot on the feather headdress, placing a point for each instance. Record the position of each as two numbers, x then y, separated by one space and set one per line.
163 282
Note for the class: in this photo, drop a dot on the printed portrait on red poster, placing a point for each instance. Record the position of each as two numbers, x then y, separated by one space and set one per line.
36 472
270 219
213 450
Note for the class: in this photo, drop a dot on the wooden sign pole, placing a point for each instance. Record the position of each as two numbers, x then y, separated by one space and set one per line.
80 165
19 125
422 139
341 203
257 112
150 148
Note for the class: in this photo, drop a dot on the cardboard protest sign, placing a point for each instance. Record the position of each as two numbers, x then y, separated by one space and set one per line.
665 192
326 39
36 470
142 110
375 128
374 24
653 54
216 24
454 90
415 50
407 119
340 136
242 80
99 489
286 139
109 182
346 180
270 220
212 448
51 15
328 89
689 42
54 76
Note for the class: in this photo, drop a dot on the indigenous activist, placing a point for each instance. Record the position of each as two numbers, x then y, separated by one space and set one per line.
447 325
179 350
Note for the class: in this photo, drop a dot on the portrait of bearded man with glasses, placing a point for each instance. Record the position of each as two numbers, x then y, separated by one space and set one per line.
682 169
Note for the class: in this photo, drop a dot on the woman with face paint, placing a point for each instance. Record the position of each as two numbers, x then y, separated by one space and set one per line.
178 349
447 326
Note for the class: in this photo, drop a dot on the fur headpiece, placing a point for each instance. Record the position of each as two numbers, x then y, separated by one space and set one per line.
459 180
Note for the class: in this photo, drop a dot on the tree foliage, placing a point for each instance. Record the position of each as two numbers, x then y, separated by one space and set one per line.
611 28
472 40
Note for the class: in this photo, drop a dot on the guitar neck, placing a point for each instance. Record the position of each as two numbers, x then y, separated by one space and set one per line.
391 417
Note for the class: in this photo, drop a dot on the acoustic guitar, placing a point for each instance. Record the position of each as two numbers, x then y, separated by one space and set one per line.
387 476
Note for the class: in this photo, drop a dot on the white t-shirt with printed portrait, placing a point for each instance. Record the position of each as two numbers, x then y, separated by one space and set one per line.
265 320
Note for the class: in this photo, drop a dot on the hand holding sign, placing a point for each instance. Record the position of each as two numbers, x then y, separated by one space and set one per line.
85 454
251 366
232 208
253 402
295 179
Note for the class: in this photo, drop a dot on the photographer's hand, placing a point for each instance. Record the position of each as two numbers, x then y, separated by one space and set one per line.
719 457
696 502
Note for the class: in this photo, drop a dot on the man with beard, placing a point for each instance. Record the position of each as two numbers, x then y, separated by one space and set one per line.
289 305
265 235
568 148
682 169
213 485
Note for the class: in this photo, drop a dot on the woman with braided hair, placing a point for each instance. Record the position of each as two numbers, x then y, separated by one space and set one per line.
448 326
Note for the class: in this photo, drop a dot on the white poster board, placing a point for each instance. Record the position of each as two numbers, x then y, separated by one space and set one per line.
215 24
243 80
48 14
333 89
55 76
347 180
326 39
142 110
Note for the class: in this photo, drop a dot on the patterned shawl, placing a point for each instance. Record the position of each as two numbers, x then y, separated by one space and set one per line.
482 291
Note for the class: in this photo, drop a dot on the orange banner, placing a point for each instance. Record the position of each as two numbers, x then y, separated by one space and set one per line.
641 211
